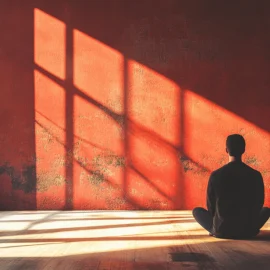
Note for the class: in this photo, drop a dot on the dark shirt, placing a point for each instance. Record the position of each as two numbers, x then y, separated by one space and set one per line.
235 196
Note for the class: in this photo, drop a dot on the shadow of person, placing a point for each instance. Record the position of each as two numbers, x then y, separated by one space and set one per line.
264 235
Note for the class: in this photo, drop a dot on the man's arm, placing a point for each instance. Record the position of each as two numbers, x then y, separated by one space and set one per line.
210 198
259 193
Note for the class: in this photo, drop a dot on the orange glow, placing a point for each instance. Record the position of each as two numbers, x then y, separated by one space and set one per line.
154 102
50 141
50 57
49 45
99 150
98 127
132 137
98 71
206 126
155 133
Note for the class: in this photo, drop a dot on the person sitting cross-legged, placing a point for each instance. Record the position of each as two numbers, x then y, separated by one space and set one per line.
235 197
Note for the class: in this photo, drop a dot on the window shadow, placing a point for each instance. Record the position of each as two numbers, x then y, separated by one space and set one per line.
17 139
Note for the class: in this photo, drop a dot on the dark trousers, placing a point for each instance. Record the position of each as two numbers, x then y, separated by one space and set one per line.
203 217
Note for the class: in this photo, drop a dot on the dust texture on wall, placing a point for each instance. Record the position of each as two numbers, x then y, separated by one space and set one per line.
127 104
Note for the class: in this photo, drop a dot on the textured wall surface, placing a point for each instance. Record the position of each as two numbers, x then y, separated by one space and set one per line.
127 104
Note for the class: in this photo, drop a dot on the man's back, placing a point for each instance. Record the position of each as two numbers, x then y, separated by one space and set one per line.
235 198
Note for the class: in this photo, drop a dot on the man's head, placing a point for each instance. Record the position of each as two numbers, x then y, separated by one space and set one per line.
235 145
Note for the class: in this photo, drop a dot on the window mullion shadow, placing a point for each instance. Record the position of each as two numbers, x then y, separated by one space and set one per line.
69 116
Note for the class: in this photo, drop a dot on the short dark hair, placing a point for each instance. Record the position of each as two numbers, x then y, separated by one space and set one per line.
235 145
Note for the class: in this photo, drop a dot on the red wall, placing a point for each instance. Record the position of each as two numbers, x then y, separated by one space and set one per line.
127 104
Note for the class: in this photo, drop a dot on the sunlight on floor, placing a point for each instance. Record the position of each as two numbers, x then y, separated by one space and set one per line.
79 232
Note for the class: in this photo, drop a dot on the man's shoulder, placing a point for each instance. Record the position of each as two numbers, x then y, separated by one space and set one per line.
251 170
220 170
217 174
228 167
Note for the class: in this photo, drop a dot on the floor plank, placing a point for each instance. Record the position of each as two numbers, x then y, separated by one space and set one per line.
106 240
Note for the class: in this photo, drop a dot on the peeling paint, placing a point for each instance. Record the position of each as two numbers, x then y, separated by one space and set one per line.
252 161
156 204
223 161
21 180
116 203
189 165
46 137
265 173
186 164
59 161
96 178
48 203
109 160
46 180
101 167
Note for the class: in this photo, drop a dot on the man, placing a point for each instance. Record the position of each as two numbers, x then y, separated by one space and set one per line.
235 197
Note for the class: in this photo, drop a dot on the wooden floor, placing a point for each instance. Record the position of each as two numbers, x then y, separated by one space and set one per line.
122 240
